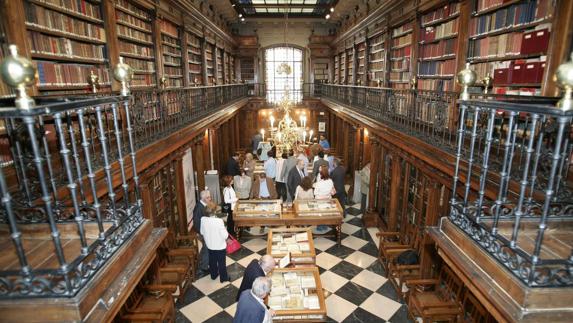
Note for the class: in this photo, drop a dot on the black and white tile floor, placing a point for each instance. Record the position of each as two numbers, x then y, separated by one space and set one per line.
351 272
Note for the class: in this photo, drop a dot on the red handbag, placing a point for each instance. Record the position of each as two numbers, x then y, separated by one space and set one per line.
232 245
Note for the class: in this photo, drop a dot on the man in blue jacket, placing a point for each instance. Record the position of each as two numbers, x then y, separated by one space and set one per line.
251 308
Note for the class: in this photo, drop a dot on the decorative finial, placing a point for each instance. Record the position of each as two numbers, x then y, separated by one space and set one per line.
379 82
486 83
93 80
466 78
163 82
413 83
123 74
564 76
19 72
196 81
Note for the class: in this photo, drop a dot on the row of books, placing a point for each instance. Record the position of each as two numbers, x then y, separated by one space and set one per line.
139 65
534 42
53 20
401 64
436 85
172 60
57 74
404 40
171 50
407 27
174 82
441 13
519 72
437 68
172 71
377 66
193 40
194 58
169 28
195 68
514 15
60 46
140 80
401 53
127 5
132 20
487 4
132 33
440 31
130 48
83 7
5 89
399 76
441 49
377 56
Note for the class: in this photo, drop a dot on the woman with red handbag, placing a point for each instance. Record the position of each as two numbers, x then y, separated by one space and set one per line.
215 236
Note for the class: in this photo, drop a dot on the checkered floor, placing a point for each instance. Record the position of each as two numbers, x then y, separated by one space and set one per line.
351 272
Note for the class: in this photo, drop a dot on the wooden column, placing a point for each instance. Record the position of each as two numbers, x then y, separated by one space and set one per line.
394 193
370 219
346 147
199 162
357 151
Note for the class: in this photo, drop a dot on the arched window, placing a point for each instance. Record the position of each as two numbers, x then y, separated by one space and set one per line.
275 81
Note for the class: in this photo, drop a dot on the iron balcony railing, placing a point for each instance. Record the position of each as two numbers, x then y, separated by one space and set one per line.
64 226
525 226
68 181
511 162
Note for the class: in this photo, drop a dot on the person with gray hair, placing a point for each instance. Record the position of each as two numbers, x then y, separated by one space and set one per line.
255 269
251 308
199 212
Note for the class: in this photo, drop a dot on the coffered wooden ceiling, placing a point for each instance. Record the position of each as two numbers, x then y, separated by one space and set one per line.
278 8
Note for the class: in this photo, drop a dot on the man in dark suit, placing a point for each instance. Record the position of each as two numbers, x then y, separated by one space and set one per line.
251 307
200 211
319 162
290 163
295 177
256 268
338 175
233 168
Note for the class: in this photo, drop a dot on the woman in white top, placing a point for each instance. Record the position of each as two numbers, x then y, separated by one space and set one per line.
215 237
324 187
304 191
230 199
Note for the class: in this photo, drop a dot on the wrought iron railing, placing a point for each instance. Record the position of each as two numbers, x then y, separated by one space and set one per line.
159 113
511 165
520 225
62 229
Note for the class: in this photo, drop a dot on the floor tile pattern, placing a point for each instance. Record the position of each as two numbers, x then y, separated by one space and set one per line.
350 271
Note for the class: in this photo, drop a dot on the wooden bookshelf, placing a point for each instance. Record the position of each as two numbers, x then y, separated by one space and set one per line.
5 90
343 69
248 70
210 63
377 59
232 75
511 50
437 48
195 58
220 65
336 69
400 55
135 42
66 43
350 70
172 55
360 63
320 70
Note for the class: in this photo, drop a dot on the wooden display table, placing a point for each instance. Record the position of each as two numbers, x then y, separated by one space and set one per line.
253 213
297 295
297 241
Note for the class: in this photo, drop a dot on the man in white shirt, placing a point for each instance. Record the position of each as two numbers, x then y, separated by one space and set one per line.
281 178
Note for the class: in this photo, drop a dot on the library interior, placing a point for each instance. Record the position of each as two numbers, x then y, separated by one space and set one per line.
286 161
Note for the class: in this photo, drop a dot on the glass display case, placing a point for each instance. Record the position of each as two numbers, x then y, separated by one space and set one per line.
297 295
258 209
296 241
328 207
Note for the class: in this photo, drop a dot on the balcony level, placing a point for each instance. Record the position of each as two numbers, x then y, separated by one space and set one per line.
505 164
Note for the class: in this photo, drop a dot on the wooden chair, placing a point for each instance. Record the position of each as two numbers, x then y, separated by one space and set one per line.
185 250
473 310
150 303
435 299
393 244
